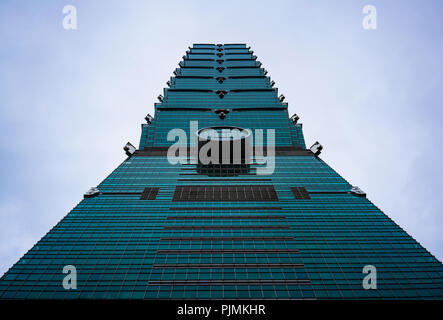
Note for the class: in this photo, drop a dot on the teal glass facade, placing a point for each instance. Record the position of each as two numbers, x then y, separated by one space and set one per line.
232 233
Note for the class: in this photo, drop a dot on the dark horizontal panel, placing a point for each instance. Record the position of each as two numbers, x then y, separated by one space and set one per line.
279 150
189 90
224 227
203 251
218 173
225 179
247 77
223 208
201 48
151 152
203 53
196 67
192 77
210 193
285 151
227 282
224 238
190 59
259 109
252 90
226 265
243 67
249 59
300 193
224 217
328 192
122 193
183 109
149 193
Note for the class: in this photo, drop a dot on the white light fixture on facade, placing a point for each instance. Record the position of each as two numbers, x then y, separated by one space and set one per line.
295 118
129 149
148 118
316 148
92 192
357 191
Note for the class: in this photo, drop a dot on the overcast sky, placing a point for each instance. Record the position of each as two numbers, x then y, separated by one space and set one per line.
70 99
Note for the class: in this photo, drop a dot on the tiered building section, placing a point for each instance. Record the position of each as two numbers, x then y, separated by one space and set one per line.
153 229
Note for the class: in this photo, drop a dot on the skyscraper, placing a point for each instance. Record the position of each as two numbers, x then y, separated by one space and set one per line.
273 221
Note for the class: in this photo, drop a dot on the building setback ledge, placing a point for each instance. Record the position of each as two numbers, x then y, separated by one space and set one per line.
279 151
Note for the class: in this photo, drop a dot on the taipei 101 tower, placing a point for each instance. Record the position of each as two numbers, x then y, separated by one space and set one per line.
224 199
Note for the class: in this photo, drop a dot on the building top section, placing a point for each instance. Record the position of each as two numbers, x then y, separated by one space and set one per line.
219 45
220 85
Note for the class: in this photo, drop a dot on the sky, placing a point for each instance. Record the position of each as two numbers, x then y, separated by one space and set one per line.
70 99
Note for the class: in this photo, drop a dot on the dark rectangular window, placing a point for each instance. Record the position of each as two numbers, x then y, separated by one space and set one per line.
229 227
228 282
212 251
149 193
300 193
222 208
226 265
217 217
225 193
226 238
